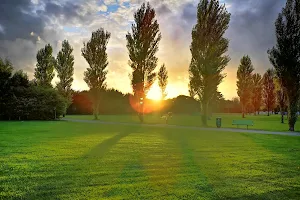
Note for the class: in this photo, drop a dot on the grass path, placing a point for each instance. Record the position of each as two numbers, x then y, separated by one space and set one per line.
185 127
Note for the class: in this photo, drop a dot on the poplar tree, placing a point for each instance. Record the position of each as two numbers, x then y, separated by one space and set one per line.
142 45
94 52
208 48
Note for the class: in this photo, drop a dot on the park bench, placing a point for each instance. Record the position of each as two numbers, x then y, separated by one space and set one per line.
242 122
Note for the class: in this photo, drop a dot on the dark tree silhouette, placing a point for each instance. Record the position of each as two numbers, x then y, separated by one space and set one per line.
207 49
163 80
142 45
44 71
245 82
256 92
94 51
65 70
285 56
269 90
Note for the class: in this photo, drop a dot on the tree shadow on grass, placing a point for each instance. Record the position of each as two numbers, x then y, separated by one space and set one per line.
102 148
76 176
192 182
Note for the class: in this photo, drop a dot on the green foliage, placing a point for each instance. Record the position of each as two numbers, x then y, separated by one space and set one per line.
245 82
22 100
285 56
5 72
269 90
65 70
142 45
256 92
40 103
94 52
208 48
19 79
44 71
163 80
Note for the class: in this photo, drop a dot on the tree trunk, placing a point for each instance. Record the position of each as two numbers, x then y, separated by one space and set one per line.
282 115
141 113
243 111
292 113
204 114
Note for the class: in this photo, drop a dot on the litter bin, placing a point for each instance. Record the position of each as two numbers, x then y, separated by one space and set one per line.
219 122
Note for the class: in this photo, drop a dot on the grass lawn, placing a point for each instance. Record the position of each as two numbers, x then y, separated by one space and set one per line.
261 122
65 160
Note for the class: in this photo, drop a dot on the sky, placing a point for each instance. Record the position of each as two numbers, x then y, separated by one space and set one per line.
27 25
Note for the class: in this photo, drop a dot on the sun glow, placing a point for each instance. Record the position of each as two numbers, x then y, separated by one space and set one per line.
155 92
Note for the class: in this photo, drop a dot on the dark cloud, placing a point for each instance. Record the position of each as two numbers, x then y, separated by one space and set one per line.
17 20
251 30
189 13
25 28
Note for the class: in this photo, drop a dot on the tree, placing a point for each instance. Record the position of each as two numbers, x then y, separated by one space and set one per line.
5 75
163 80
207 48
244 82
256 92
94 51
269 90
19 79
142 45
280 96
285 56
65 70
44 71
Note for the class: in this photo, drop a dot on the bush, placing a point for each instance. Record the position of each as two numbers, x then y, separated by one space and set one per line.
34 103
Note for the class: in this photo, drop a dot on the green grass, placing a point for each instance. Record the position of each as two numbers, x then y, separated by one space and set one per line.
269 123
64 160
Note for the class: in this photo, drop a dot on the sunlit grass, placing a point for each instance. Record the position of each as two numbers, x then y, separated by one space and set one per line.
64 160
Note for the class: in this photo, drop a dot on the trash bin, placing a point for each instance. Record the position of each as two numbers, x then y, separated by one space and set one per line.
219 122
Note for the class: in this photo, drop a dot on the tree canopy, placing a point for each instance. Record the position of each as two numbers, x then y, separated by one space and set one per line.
44 71
285 56
142 45
94 52
245 82
208 48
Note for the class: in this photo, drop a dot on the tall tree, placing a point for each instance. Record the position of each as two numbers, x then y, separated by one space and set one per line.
269 90
256 92
65 70
94 52
142 45
244 82
163 80
285 56
280 96
208 48
44 71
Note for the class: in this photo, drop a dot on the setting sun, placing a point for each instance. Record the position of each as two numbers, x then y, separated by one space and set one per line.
154 93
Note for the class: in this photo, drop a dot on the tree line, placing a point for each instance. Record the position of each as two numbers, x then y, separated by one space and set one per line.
280 84
206 71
